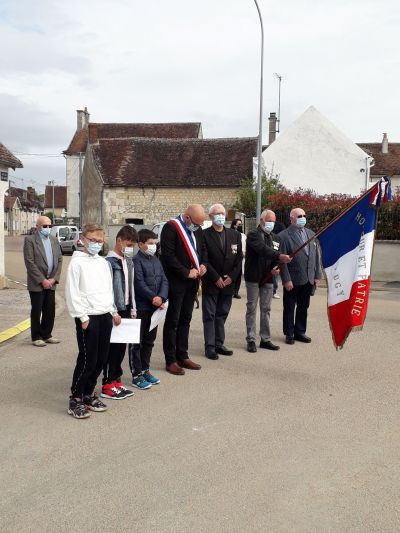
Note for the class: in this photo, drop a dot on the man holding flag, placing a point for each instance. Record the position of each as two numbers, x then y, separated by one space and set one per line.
183 256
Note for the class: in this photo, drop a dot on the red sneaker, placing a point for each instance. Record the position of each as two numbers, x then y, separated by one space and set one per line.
110 391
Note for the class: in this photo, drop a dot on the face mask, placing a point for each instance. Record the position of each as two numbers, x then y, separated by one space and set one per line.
193 227
239 229
268 226
45 232
135 250
219 220
151 249
94 247
128 251
301 222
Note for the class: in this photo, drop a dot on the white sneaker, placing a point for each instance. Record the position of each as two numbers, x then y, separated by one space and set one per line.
276 296
39 342
52 340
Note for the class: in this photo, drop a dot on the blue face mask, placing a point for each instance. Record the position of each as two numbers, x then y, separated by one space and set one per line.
301 222
268 227
128 251
94 247
192 227
45 232
219 220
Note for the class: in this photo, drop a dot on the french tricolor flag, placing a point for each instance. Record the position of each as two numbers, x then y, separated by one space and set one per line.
346 249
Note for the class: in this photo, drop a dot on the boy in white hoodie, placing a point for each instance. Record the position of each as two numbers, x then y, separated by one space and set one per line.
90 300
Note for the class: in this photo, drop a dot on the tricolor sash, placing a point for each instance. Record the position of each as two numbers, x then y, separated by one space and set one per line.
191 250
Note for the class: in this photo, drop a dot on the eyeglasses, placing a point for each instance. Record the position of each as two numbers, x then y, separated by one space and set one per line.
47 226
194 223
94 241
301 216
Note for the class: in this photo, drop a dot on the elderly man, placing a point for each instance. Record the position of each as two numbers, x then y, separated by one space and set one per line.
263 253
300 278
224 251
184 258
43 262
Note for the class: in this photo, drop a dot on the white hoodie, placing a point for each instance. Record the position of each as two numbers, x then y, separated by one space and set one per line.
89 289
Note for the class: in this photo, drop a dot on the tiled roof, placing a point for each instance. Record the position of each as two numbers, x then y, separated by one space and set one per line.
27 198
175 163
96 131
60 196
385 164
8 158
9 201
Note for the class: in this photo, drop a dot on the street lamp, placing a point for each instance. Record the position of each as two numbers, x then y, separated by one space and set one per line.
259 148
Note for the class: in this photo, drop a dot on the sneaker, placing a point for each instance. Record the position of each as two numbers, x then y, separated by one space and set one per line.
276 296
39 342
93 403
140 383
150 378
77 409
126 392
52 340
110 391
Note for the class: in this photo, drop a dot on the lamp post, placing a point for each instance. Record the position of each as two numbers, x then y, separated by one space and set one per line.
259 148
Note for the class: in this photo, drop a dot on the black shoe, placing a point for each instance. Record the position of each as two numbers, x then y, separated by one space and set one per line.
269 346
302 338
251 347
237 296
289 339
223 350
212 355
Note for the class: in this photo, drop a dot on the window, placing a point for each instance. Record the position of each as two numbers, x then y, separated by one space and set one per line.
134 221
4 176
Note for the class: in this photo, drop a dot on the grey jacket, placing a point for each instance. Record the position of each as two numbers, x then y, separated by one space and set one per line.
304 268
36 262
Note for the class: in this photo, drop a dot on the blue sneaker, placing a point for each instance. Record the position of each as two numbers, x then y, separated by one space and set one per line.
150 378
140 382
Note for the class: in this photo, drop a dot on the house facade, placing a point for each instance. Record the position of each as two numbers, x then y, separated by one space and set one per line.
55 200
150 180
89 132
313 154
21 210
386 161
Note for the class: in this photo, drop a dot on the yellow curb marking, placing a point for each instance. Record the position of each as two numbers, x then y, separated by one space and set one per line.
15 330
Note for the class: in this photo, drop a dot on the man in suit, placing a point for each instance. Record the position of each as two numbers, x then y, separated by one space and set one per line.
43 261
224 251
184 258
263 254
300 278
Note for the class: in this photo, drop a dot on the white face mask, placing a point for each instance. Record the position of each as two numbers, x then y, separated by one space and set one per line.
268 227
128 251
151 249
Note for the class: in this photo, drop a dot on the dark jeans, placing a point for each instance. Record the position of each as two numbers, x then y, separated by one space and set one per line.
93 343
275 283
177 323
216 309
113 368
140 354
42 313
295 308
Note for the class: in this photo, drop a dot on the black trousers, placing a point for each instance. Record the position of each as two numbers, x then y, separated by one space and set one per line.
93 344
237 282
295 308
139 355
216 309
43 309
177 323
113 367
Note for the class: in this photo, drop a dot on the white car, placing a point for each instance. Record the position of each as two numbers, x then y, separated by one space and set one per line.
157 228
60 232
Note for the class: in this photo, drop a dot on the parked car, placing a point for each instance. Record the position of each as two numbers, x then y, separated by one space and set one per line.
71 242
60 232
157 228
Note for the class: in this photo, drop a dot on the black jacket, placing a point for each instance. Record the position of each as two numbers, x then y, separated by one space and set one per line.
150 281
175 259
262 255
222 262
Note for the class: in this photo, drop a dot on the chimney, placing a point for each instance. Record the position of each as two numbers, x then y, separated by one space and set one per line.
272 128
82 119
31 194
385 144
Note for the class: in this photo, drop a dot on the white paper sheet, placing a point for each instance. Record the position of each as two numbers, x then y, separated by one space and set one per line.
158 316
127 332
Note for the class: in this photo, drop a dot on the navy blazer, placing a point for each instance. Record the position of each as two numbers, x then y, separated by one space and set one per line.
304 268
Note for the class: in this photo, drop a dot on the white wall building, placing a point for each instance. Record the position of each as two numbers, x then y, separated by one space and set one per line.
313 154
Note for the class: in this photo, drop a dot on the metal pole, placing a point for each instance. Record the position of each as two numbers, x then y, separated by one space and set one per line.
53 204
279 102
80 189
259 148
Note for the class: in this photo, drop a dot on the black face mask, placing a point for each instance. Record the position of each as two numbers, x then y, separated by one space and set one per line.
239 229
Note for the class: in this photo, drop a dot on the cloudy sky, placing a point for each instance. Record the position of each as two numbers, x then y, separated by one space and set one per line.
185 60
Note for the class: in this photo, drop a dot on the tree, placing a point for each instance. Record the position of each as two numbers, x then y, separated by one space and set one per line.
49 215
246 198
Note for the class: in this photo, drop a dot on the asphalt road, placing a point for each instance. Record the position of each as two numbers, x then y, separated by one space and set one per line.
301 440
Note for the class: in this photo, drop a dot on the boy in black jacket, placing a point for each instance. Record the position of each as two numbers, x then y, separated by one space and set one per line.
151 293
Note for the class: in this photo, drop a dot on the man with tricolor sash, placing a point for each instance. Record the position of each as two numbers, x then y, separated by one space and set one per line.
184 258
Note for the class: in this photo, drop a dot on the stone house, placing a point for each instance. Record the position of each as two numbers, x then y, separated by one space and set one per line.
21 210
312 153
89 132
386 158
55 200
147 180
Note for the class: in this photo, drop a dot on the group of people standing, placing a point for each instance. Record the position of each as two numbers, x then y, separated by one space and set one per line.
101 291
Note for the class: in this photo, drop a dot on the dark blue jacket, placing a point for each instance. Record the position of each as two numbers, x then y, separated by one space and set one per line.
150 281
119 282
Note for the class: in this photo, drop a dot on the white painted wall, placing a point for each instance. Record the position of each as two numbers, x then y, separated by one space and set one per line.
313 154
72 181
3 188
